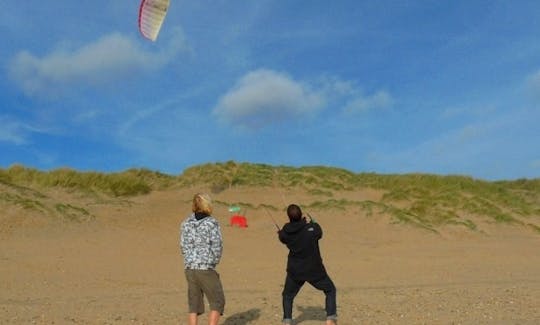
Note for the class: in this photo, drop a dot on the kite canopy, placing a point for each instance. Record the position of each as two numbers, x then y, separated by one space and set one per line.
238 220
234 208
151 16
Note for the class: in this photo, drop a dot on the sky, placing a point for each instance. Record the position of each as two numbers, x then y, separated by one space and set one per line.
389 87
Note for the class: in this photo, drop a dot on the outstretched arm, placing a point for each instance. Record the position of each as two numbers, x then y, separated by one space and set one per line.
281 236
318 230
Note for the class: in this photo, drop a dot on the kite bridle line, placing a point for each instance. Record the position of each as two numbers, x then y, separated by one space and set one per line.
274 221
311 218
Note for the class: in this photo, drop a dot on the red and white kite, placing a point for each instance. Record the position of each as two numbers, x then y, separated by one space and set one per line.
151 16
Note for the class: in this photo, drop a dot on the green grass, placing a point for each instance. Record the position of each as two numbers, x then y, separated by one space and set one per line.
320 192
425 200
466 223
534 227
128 183
23 202
73 213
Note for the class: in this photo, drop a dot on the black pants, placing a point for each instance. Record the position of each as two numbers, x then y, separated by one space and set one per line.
292 287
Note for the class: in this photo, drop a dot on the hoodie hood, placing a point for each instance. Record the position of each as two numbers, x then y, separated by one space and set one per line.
197 221
200 215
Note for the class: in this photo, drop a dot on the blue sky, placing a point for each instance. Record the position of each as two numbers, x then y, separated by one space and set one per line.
445 87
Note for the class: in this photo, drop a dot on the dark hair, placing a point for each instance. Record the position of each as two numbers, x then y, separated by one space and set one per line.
294 212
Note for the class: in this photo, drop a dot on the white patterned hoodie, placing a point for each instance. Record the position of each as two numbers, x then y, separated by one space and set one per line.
201 243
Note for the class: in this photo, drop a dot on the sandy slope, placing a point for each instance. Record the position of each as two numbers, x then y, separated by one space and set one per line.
124 267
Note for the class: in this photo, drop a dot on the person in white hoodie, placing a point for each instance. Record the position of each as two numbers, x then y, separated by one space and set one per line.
201 244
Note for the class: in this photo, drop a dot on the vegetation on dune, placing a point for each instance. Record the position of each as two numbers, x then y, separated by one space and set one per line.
127 183
73 213
229 174
424 200
22 201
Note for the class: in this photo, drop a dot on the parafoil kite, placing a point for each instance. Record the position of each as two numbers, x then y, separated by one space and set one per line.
151 16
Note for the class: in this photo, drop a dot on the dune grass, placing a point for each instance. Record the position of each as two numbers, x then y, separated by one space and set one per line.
425 200
127 183
73 213
22 201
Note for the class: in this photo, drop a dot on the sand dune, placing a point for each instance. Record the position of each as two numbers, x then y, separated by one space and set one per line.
123 267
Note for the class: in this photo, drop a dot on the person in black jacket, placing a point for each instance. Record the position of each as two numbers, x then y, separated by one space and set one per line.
304 263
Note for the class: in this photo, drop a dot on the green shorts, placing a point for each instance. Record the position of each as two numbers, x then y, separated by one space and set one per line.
204 282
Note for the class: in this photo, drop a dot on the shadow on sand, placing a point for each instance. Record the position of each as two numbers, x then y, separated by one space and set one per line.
310 313
243 318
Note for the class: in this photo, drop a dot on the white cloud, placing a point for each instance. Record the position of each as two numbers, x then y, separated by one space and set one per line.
13 132
106 60
262 97
360 104
533 84
336 88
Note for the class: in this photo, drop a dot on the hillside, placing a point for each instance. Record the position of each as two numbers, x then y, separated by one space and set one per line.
103 248
431 202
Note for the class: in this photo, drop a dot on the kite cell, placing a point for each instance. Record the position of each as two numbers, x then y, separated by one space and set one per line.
151 16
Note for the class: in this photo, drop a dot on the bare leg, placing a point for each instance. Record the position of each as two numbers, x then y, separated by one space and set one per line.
192 318
213 318
331 322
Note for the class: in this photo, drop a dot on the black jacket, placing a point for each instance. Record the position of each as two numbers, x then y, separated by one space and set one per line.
302 239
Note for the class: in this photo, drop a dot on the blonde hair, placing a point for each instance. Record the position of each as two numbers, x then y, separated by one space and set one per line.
202 203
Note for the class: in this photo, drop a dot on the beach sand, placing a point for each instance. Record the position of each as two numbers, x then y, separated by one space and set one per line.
124 267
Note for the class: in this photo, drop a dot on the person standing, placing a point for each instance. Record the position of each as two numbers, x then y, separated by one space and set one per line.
201 245
304 263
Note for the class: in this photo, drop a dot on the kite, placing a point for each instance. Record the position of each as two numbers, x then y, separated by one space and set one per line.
151 16
238 219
